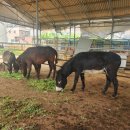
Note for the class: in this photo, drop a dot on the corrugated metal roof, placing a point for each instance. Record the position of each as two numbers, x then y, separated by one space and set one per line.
59 12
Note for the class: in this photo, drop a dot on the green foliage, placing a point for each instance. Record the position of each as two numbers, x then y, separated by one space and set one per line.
17 76
15 51
29 109
20 109
54 35
12 112
43 85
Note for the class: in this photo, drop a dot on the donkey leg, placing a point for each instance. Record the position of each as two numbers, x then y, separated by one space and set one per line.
83 81
108 82
49 70
75 81
10 68
24 72
115 84
29 70
24 69
113 77
37 69
54 70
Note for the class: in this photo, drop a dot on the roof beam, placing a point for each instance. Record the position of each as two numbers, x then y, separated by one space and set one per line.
11 10
6 5
77 22
14 21
14 5
92 25
32 2
48 17
60 9
20 10
85 10
94 11
26 3
84 3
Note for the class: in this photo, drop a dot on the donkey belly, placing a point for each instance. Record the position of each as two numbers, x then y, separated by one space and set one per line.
93 71
94 67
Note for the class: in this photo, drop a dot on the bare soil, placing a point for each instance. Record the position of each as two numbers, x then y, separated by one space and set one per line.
88 110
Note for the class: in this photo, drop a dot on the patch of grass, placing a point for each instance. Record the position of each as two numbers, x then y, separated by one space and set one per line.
13 112
30 109
17 76
42 85
15 51
26 127
1 51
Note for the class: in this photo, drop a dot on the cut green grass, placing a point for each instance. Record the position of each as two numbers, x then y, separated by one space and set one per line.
17 76
42 85
12 112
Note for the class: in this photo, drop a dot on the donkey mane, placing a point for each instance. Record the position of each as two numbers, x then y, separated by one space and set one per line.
66 69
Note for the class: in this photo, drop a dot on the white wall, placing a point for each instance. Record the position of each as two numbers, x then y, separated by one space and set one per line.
3 33
83 45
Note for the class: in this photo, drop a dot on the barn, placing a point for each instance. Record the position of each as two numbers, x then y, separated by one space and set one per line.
70 28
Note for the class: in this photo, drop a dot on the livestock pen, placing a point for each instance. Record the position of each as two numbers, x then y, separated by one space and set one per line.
32 108
34 104
81 110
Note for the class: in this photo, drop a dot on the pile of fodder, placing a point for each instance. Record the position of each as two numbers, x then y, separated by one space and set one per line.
42 85
17 76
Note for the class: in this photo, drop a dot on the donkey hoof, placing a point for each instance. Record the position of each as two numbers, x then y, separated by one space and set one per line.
104 92
72 90
114 95
27 78
82 90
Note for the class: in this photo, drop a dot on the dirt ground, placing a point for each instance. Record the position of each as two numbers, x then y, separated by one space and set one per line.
79 111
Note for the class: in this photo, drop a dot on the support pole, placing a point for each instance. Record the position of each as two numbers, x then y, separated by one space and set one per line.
40 34
70 37
112 31
37 41
128 44
111 11
74 36
33 35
